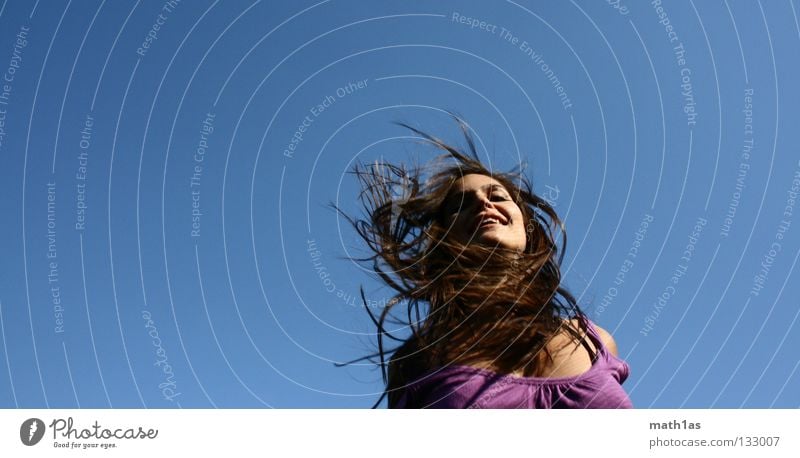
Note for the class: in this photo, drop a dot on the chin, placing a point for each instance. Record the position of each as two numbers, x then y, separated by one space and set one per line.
492 242
497 242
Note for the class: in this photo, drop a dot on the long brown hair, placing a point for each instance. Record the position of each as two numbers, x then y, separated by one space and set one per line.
483 303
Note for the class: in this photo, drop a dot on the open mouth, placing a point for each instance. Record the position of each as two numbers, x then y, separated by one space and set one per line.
489 222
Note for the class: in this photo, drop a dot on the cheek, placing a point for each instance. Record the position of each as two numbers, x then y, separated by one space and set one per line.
460 221
520 229
454 225
516 215
520 232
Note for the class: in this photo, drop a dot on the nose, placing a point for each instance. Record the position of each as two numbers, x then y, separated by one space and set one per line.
485 202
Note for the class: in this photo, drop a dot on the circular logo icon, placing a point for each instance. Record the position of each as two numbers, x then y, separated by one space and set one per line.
31 431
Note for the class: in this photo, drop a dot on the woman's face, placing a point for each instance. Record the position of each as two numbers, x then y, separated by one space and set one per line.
479 209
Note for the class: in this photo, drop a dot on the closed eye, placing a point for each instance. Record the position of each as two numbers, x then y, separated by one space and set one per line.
458 201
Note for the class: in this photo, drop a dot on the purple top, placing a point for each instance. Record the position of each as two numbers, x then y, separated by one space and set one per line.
459 387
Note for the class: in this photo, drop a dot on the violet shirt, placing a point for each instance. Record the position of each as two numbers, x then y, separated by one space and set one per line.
459 387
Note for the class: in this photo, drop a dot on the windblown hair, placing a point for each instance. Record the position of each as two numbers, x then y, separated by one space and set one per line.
484 304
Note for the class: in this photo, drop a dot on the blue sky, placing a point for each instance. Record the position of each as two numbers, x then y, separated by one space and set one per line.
167 169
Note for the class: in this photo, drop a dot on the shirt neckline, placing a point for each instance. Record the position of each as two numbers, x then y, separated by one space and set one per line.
601 354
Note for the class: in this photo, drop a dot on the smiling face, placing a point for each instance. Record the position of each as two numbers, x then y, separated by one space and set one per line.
479 209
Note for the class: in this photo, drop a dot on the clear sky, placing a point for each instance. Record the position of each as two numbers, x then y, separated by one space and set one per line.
167 168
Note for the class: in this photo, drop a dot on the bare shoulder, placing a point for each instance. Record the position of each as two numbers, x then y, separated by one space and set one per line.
605 336
608 340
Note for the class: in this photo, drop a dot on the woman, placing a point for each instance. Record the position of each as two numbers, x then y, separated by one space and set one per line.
472 256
